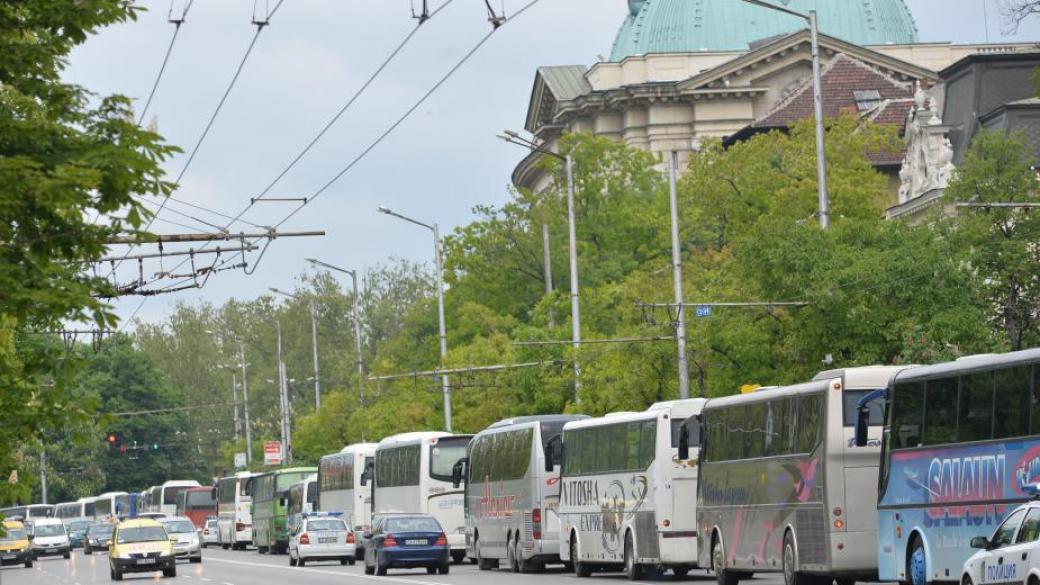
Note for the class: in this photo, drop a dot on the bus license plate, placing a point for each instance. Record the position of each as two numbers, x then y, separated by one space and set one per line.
416 542
145 561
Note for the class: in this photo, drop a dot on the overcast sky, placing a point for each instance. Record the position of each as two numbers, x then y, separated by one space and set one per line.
316 53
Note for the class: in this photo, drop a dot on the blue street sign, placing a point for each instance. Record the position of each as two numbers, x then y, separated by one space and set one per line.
703 311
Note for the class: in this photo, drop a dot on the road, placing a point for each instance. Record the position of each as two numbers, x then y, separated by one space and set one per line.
221 567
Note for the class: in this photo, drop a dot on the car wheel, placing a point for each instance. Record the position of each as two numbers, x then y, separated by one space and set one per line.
444 569
431 570
171 572
28 563
117 575
344 561
300 562
633 570
225 546
369 570
380 568
967 580
66 555
87 550
195 560
292 561
580 569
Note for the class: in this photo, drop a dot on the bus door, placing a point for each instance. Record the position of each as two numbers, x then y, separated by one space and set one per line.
861 463
683 516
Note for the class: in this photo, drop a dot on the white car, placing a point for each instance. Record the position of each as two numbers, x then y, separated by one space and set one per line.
1011 555
320 536
210 533
188 545
50 538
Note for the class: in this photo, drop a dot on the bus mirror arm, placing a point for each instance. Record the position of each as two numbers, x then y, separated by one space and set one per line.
458 474
684 444
553 453
863 415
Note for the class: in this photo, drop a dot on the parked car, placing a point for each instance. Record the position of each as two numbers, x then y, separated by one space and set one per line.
188 545
15 546
1011 554
77 530
320 536
50 539
99 537
211 532
140 546
404 541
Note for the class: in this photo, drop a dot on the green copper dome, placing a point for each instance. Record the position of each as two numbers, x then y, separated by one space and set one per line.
689 26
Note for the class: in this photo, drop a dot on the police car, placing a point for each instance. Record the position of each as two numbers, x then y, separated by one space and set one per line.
1012 553
321 536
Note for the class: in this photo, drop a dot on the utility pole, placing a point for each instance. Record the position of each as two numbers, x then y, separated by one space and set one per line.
234 398
43 473
314 346
575 310
547 259
680 330
283 393
245 402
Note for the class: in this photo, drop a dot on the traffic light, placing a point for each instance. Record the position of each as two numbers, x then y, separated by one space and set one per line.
122 449
155 446
111 438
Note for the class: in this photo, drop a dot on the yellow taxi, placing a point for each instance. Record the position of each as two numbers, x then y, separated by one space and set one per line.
141 546
14 545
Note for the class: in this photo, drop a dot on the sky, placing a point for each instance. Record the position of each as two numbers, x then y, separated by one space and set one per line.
436 166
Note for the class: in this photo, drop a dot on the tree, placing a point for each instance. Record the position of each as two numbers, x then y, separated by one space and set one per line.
71 164
999 244
1016 11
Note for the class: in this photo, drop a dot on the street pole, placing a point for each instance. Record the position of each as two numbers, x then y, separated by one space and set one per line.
547 259
357 340
680 333
445 385
43 473
821 151
245 403
234 398
283 396
314 344
575 310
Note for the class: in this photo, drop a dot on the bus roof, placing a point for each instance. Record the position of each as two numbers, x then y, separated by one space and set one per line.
179 483
863 377
680 408
363 448
110 494
289 470
969 364
412 438
547 418
769 394
610 419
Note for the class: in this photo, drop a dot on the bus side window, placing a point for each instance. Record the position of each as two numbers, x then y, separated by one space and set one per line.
907 415
1012 388
975 421
941 423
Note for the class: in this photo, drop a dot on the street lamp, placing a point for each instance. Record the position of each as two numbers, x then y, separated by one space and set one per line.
314 345
821 154
515 138
357 322
440 304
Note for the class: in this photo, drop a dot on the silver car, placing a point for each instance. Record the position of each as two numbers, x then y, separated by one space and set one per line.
319 536
188 545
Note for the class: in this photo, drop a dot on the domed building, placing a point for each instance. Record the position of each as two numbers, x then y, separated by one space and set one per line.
692 26
684 70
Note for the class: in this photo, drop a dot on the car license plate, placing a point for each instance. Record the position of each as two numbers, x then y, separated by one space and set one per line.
327 540
416 542
145 561
52 550
10 557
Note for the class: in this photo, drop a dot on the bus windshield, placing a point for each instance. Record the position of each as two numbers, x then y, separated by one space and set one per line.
200 499
445 454
170 493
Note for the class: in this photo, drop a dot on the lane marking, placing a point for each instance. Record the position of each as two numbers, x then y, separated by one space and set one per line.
334 573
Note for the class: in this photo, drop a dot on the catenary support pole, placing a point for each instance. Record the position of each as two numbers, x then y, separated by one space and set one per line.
245 402
314 346
821 150
575 309
680 329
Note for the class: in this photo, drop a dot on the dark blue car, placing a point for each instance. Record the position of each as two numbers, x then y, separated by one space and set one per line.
406 541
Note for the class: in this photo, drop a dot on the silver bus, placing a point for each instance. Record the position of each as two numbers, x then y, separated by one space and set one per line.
627 499
783 486
340 484
235 511
513 493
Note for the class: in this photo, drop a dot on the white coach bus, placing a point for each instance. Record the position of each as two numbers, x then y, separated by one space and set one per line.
413 474
81 509
110 506
340 485
162 499
626 498
235 511
783 486
513 494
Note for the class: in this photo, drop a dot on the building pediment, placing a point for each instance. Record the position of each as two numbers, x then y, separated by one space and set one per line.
552 86
795 50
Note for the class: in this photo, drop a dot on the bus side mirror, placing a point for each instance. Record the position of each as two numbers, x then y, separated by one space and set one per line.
684 443
366 475
458 474
553 453
862 425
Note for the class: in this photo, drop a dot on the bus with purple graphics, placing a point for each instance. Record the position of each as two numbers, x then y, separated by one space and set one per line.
960 445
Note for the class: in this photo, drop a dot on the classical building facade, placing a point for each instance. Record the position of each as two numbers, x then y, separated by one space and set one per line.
685 70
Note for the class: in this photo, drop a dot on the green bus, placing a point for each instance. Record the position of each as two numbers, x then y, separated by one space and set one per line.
271 507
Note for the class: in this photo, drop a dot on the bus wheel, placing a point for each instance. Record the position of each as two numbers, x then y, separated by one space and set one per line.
718 564
792 576
917 566
680 572
457 556
522 566
633 570
512 550
845 581
580 569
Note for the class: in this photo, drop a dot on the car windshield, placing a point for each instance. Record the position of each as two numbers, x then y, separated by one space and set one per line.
412 524
326 525
179 527
13 534
100 530
141 534
50 530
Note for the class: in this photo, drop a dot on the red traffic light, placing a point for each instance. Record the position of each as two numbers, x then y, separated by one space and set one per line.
122 450
112 438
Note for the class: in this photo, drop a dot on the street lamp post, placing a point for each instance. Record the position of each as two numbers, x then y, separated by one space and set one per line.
314 345
821 153
680 330
283 393
514 138
440 305
357 323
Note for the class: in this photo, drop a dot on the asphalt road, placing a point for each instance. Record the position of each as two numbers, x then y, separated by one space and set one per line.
221 567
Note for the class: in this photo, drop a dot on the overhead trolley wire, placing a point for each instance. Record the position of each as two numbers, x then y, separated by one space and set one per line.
166 58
